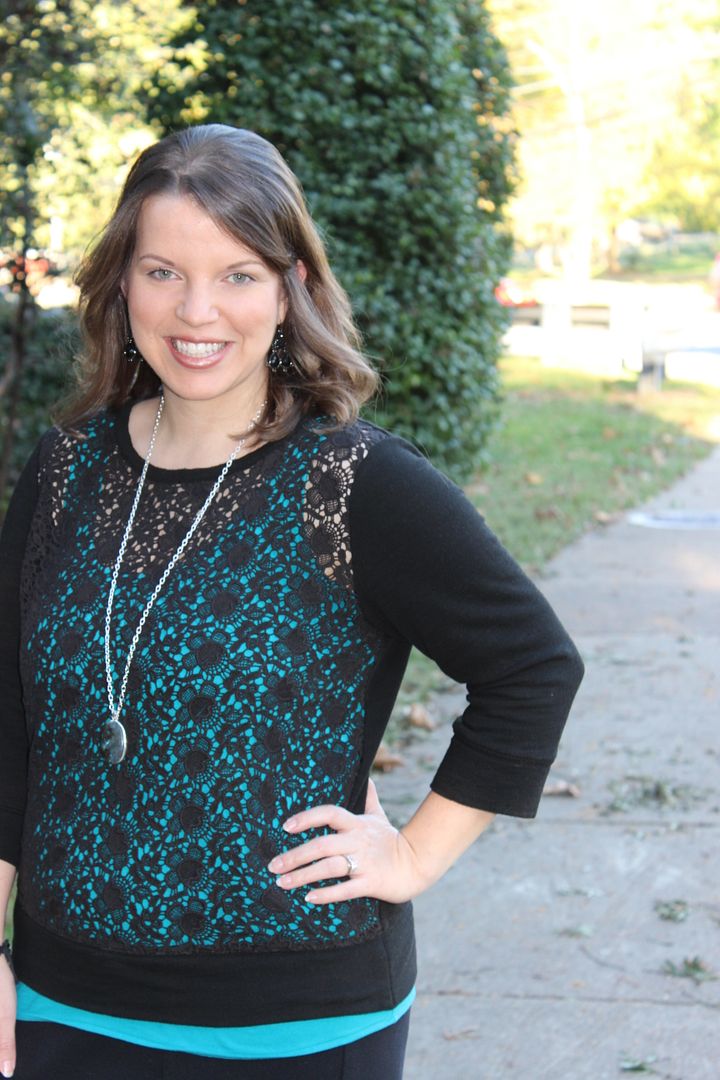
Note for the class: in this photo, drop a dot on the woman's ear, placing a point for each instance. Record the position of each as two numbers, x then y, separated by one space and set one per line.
301 270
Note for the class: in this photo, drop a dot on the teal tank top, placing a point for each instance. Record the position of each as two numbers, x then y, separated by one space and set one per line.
257 1041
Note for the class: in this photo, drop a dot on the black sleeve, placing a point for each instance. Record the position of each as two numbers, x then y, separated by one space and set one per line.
13 736
427 568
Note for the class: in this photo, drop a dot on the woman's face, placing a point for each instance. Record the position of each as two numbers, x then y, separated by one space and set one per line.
203 307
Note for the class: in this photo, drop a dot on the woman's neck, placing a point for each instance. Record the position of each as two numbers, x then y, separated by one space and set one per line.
189 437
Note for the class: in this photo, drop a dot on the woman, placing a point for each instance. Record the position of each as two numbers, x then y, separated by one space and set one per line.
213 573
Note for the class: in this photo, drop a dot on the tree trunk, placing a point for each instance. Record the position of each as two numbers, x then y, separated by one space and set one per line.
18 341
12 384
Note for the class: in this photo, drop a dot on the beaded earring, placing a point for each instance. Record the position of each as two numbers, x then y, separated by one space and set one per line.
131 351
278 359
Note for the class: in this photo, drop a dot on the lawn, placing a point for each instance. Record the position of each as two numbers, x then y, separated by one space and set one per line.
689 264
574 450
571 453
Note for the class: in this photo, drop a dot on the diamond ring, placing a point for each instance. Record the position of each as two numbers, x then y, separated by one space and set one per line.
351 864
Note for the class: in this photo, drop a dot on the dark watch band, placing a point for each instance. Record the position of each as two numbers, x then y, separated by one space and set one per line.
6 951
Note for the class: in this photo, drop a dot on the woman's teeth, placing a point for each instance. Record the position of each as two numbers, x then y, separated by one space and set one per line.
198 348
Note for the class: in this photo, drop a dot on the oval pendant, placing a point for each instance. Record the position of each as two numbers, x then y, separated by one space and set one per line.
114 741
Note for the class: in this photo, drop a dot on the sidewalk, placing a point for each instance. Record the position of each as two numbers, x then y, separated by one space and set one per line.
542 952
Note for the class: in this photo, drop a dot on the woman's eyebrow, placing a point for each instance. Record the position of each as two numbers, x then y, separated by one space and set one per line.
169 262
156 258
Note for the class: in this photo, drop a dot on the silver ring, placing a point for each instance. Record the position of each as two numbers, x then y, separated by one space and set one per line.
352 865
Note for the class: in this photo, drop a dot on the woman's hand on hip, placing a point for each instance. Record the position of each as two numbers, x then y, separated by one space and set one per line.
8 1010
366 851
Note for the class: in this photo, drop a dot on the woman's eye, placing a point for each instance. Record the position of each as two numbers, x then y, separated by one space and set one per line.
161 273
240 279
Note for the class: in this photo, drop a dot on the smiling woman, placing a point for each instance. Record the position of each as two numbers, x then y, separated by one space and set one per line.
212 574
217 211
203 313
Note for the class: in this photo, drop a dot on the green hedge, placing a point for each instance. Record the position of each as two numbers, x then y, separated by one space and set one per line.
393 117
51 342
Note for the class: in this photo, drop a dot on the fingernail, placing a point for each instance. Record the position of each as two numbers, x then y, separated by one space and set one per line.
7 1069
311 897
290 824
276 864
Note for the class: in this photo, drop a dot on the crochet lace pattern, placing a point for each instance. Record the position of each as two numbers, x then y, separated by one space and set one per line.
244 703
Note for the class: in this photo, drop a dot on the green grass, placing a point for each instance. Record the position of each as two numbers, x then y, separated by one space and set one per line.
572 451
688 264
575 449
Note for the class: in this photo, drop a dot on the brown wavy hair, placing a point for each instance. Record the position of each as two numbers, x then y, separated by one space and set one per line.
241 181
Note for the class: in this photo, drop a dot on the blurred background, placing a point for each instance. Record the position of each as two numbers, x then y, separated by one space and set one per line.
521 197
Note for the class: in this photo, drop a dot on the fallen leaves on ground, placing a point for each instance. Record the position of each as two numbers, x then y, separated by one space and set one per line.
468 1033
386 759
602 517
637 1065
546 513
672 910
691 968
561 787
419 717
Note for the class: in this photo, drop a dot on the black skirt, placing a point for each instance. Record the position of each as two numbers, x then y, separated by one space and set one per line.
47 1050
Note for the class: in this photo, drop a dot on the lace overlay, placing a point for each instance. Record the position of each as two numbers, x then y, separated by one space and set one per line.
244 702
327 493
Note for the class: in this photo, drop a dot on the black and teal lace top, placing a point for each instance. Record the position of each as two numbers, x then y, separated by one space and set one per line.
261 685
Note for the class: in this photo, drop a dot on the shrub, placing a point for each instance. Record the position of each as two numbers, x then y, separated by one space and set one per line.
51 342
393 117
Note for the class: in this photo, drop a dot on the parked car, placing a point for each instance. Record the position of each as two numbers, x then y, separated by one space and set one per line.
513 294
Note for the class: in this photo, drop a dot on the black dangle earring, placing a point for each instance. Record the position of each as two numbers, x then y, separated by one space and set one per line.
278 359
131 351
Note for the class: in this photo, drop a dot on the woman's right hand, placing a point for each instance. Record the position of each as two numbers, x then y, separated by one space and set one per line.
8 1010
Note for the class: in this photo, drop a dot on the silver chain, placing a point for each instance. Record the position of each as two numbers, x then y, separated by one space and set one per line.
116 709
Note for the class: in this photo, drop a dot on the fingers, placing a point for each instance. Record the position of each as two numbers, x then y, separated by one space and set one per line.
333 894
334 867
323 857
321 847
7 1020
335 816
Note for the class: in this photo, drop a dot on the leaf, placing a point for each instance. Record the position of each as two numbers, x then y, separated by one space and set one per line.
672 910
386 760
691 968
419 717
636 1065
561 787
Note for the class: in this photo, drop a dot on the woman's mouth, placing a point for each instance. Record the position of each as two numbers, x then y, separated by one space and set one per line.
197 353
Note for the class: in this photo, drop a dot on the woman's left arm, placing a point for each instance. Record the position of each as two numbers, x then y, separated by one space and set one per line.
428 571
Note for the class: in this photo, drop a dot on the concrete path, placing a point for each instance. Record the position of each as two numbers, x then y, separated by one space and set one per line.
544 952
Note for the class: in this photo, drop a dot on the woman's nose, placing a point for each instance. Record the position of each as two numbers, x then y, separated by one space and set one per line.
196 306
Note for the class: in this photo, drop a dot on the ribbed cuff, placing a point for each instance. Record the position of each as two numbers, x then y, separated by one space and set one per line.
498 783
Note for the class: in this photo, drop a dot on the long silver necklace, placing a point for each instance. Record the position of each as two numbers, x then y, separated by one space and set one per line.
114 734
